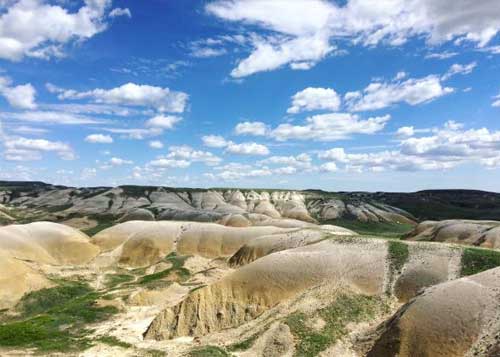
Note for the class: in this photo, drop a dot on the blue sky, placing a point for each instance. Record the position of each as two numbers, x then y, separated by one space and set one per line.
392 95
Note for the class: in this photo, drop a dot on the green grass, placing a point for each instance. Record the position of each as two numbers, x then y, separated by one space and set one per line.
398 255
112 280
243 345
208 351
346 309
113 341
477 260
54 319
383 229
177 269
99 227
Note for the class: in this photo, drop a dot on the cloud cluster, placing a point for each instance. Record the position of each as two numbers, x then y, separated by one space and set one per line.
130 94
34 28
302 31
314 99
25 149
444 148
99 139
246 148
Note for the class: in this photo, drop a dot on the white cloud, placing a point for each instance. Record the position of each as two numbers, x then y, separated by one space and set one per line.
20 96
255 128
314 99
118 11
496 101
379 95
23 129
19 149
441 55
302 161
302 30
329 167
161 99
445 148
34 28
116 161
163 121
214 141
247 149
50 117
459 69
135 133
188 153
156 144
405 131
99 139
329 127
162 162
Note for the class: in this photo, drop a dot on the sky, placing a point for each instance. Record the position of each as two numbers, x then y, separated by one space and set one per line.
346 95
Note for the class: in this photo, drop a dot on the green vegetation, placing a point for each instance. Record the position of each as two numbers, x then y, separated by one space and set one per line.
54 319
398 255
177 270
382 229
112 280
208 351
243 345
113 341
346 309
99 227
477 260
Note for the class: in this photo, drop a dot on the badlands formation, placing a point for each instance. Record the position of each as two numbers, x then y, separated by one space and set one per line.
162 272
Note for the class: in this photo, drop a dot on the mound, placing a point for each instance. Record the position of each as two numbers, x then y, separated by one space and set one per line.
456 318
17 279
366 266
141 243
43 242
47 242
479 233
268 244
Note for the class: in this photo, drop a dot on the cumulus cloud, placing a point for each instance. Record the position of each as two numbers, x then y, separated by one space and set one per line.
214 141
143 95
34 28
301 161
249 148
25 149
116 161
302 30
379 95
135 133
162 162
156 144
405 131
444 148
20 96
186 152
99 139
255 128
314 99
118 11
163 121
330 127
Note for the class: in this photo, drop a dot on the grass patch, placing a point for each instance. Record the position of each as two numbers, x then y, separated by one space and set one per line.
398 255
177 270
100 227
112 280
54 319
208 351
477 260
113 341
346 309
383 229
243 345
